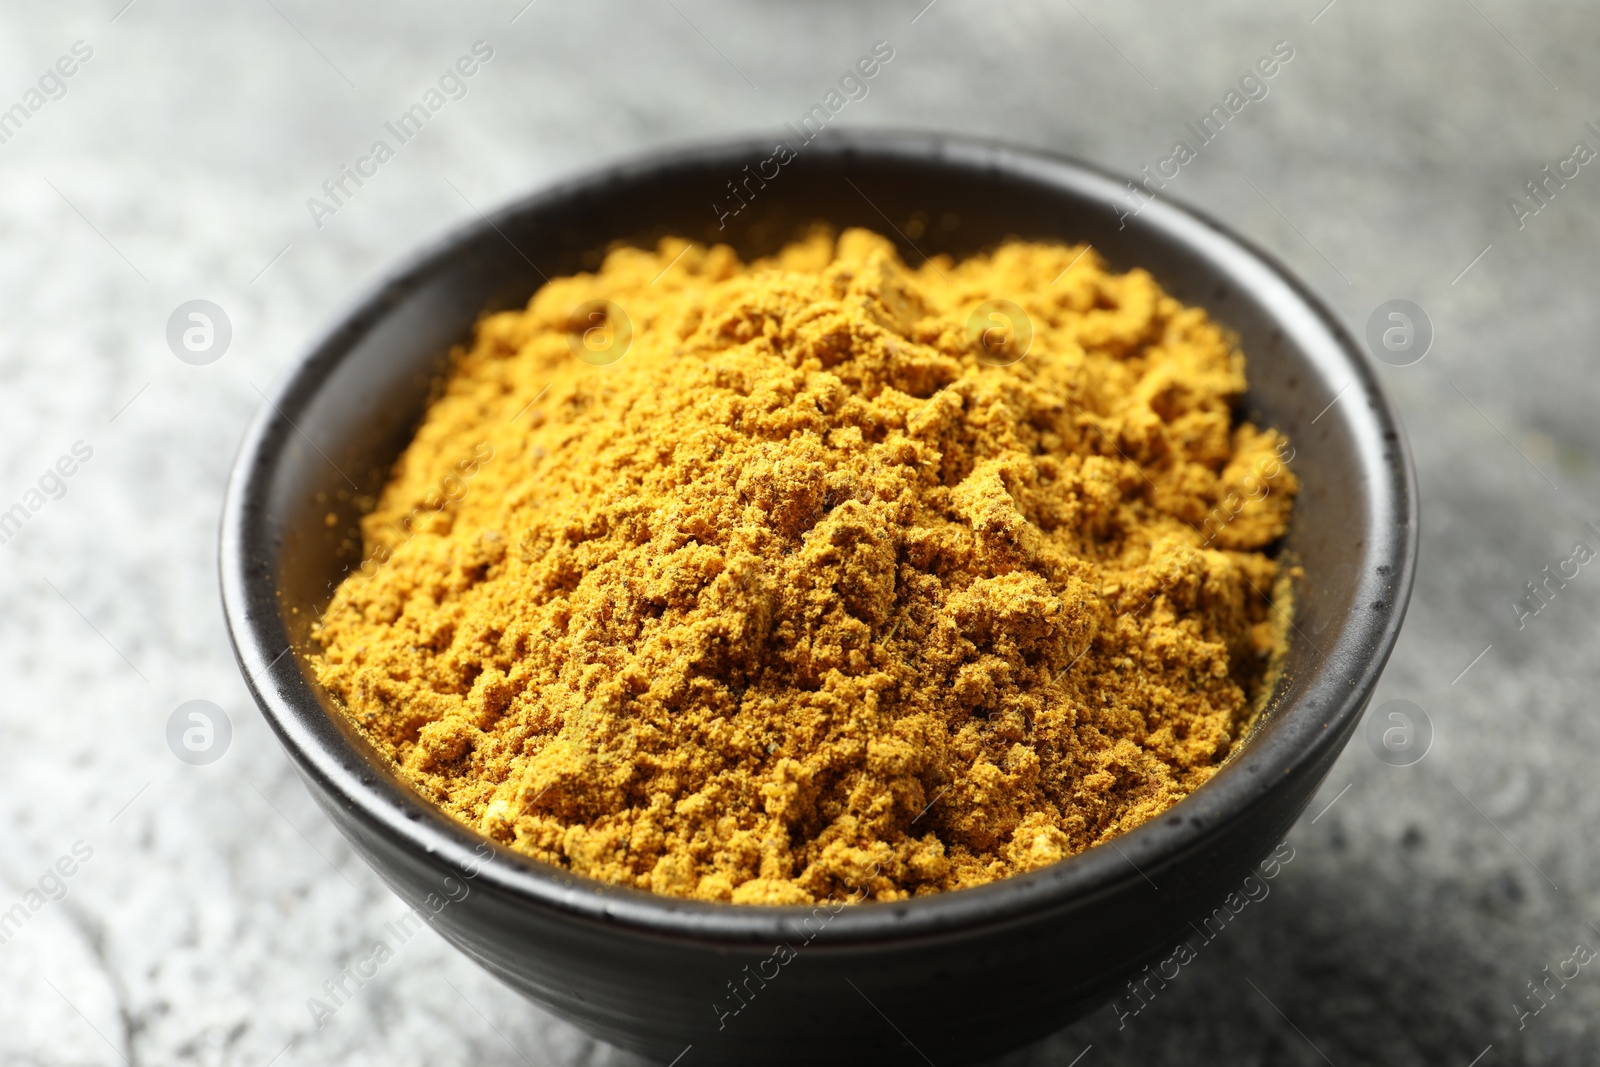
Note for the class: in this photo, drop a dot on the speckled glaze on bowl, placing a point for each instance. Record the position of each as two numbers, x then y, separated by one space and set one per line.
962 975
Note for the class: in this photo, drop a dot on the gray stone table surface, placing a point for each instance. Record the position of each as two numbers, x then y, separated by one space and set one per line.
207 903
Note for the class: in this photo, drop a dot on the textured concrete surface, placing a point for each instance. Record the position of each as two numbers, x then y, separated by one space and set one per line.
215 899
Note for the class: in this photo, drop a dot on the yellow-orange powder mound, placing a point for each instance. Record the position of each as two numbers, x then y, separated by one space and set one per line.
801 593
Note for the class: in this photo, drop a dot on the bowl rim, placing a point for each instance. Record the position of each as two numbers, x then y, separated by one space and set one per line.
1319 715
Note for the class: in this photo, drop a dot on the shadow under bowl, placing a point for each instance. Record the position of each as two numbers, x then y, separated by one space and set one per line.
962 975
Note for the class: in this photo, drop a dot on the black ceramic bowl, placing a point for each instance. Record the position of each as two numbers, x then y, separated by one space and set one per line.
962 975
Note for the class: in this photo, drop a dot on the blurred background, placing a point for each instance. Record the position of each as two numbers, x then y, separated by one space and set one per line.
189 910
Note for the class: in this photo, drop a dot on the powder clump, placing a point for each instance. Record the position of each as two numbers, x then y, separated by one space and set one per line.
801 593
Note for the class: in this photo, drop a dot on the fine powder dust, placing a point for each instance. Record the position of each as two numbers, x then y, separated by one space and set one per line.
800 593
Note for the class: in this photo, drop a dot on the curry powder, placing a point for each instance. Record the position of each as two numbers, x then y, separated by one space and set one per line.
804 591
